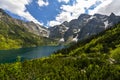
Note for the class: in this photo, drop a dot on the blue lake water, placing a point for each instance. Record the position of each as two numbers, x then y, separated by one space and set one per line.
9 56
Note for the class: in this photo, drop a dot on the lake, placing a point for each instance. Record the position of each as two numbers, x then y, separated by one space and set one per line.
9 56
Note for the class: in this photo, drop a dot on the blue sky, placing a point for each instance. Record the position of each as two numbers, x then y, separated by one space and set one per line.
54 12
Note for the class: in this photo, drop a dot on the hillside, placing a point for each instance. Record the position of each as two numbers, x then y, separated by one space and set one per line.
14 35
95 58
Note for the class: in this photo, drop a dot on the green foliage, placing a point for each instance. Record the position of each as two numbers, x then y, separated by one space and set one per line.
115 54
15 36
87 67
96 58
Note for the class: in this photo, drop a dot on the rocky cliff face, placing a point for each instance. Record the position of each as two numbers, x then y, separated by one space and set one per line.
83 27
37 29
31 26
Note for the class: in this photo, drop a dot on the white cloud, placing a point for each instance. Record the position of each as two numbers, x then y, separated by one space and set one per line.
66 1
113 6
18 7
43 3
52 23
102 7
70 12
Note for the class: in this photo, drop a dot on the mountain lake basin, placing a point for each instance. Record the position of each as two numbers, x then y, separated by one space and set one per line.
10 56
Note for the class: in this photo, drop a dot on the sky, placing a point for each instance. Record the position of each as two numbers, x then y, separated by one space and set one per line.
54 12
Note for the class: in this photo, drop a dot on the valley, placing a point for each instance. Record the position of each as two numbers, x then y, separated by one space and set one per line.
93 58
85 48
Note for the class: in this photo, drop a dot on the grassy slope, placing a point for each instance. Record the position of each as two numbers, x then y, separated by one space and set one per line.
14 36
96 58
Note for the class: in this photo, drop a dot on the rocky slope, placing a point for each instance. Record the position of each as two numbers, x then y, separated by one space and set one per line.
31 26
17 34
83 27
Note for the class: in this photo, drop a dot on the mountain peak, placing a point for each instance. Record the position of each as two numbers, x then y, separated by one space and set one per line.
112 15
98 14
83 16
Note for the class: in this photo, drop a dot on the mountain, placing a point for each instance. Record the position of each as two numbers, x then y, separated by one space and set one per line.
104 42
83 27
67 32
31 26
94 58
15 33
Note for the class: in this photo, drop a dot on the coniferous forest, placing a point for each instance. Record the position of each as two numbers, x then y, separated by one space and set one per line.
95 58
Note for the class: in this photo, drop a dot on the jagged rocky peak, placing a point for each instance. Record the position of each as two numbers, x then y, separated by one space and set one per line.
100 16
85 26
82 16
66 23
113 19
112 15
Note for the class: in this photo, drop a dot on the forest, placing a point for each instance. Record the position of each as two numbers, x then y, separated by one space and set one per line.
94 58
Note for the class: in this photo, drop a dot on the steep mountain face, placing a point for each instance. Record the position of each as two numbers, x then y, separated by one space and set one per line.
17 34
37 29
84 26
107 42
31 26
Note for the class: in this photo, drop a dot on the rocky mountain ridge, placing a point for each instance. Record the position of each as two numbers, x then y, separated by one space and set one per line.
77 29
31 26
83 27
16 33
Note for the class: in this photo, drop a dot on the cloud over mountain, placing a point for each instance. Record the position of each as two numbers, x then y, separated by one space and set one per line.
70 12
54 12
18 7
113 6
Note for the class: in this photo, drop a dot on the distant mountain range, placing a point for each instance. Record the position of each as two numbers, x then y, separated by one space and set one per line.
67 32
83 27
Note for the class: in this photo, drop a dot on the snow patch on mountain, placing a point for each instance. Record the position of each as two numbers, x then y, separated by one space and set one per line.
75 39
61 40
76 30
106 24
92 17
